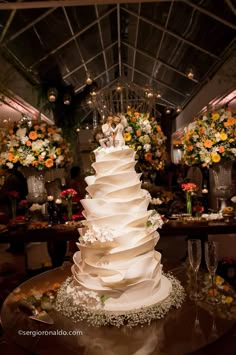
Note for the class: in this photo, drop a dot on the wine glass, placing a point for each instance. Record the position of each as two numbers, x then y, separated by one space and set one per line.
195 255
211 258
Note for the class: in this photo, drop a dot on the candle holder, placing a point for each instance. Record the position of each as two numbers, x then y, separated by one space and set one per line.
58 207
51 210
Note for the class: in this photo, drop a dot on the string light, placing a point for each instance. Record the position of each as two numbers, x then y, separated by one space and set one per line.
52 94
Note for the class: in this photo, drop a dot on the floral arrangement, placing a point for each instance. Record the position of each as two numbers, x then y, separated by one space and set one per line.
68 195
145 135
189 189
210 138
34 144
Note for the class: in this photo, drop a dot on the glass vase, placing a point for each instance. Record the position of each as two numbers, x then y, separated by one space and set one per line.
69 209
223 186
188 204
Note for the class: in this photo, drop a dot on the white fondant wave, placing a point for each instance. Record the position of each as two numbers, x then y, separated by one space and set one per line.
127 265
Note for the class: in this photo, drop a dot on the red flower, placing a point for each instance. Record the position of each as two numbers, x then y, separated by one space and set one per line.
198 208
69 193
13 193
189 187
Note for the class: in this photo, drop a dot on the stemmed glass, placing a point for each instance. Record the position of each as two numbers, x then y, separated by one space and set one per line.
211 258
195 255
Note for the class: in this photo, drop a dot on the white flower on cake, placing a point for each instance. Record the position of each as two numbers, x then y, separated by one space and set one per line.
96 234
83 297
154 221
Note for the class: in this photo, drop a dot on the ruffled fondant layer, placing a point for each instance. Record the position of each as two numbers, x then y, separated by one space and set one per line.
117 256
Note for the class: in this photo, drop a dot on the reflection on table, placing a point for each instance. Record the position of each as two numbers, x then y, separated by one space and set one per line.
182 331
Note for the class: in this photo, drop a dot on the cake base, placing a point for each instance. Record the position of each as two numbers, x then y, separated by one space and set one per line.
172 294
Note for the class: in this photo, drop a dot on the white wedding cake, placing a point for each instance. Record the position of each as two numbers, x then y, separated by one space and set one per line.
117 268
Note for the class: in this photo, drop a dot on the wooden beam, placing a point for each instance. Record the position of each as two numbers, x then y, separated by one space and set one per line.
66 3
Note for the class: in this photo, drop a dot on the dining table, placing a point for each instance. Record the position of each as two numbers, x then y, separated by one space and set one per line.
194 328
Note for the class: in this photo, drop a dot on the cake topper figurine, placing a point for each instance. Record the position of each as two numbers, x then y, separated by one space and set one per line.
107 131
118 131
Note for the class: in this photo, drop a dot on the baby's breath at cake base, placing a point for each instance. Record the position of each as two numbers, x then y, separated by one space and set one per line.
97 318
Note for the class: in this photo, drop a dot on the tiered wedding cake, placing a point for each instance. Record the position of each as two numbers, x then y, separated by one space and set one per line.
117 268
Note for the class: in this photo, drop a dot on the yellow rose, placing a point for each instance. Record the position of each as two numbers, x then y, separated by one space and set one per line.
215 157
215 116
227 299
58 151
223 136
127 137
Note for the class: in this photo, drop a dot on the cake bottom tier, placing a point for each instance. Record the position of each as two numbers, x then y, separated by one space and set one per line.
170 294
127 301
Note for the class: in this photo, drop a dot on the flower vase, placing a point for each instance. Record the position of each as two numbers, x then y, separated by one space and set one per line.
36 185
69 209
223 187
189 203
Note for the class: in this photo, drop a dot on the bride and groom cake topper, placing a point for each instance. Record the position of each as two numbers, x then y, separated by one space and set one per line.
112 131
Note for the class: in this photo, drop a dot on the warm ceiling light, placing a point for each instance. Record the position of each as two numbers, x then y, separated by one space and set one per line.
89 102
67 99
158 95
150 94
87 127
118 87
167 111
52 94
89 80
93 93
190 73
178 109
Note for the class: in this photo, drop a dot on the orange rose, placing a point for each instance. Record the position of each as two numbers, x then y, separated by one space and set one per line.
221 149
207 143
49 163
33 135
189 148
34 163
148 157
230 122
28 143
10 157
138 132
40 159
136 114
51 130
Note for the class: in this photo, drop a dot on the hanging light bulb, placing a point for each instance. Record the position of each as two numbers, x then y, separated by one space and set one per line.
67 99
93 93
118 87
52 94
158 95
167 111
89 80
178 109
190 73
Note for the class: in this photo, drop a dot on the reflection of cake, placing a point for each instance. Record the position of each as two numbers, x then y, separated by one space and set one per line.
117 265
